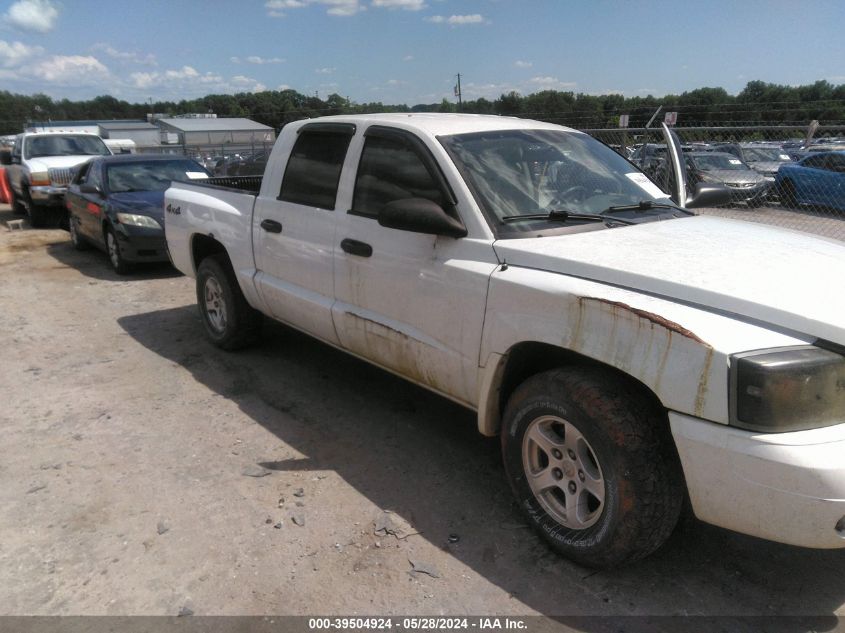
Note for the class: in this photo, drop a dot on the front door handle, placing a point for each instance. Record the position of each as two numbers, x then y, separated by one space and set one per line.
354 247
271 226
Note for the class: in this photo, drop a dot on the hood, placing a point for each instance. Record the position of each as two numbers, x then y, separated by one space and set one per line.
43 163
734 175
149 203
766 167
784 278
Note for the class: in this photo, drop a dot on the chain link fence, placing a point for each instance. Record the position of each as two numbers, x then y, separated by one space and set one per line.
790 176
221 160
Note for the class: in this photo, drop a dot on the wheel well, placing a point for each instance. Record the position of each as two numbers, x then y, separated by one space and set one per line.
203 246
526 359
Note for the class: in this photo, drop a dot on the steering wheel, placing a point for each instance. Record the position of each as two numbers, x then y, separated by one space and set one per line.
574 194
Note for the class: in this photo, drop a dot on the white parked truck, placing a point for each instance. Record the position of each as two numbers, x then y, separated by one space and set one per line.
41 166
631 355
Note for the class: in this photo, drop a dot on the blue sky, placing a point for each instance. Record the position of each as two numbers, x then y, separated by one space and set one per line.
409 51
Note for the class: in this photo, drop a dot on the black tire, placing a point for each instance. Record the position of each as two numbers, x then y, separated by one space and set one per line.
38 216
116 259
18 207
78 242
787 194
624 482
230 322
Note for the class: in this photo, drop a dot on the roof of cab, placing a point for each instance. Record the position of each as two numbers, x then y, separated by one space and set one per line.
437 124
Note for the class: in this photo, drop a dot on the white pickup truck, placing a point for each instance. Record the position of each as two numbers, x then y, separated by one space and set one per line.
631 355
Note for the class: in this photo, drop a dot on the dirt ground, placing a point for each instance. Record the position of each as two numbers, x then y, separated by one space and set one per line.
130 449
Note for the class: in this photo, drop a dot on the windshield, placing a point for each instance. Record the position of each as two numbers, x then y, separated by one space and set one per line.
65 145
709 162
765 155
526 172
154 175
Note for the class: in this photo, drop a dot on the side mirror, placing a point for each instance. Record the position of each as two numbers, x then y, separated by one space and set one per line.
5 158
86 188
708 195
420 215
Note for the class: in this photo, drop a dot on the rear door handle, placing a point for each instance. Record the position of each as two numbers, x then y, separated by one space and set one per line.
354 247
271 226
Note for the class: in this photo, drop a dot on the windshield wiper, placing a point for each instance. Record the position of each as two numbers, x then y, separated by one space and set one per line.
645 205
562 215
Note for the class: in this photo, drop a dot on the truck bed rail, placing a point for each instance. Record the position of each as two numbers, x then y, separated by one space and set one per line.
242 183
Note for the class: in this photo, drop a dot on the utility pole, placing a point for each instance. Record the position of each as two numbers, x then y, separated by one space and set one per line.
458 92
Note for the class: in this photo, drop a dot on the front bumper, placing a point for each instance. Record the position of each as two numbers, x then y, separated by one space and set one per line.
784 487
48 195
140 244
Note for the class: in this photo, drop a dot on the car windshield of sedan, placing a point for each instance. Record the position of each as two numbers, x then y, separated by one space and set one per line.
709 162
154 175
534 172
766 154
65 145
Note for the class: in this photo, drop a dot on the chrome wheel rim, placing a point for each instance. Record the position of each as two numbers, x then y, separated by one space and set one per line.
215 305
563 472
114 253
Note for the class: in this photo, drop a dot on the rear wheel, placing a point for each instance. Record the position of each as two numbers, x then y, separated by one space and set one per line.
230 322
592 465
76 239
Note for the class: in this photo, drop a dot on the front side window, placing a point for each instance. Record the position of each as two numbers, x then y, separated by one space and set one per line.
390 170
313 171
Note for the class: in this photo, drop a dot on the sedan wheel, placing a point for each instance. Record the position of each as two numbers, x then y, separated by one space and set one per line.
76 239
120 265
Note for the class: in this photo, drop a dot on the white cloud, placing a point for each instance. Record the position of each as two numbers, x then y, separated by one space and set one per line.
324 71
16 53
408 5
33 15
71 70
549 83
135 58
255 59
278 8
456 20
408 58
522 64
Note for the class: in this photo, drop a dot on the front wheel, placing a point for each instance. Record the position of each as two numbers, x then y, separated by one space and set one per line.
787 194
592 465
230 322
116 259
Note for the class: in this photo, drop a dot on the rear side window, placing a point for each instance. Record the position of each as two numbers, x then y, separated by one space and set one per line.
389 171
313 169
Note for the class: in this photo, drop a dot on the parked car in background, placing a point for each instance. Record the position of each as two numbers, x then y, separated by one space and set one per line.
817 180
746 185
40 167
117 204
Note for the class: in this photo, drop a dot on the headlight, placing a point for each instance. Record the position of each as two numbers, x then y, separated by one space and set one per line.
37 178
138 220
787 389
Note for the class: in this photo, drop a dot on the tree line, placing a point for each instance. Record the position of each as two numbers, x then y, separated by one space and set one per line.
759 103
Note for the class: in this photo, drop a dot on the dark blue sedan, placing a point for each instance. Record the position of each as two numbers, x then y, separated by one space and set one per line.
116 203
817 180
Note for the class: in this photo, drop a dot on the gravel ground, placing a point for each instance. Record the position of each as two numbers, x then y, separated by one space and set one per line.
145 472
